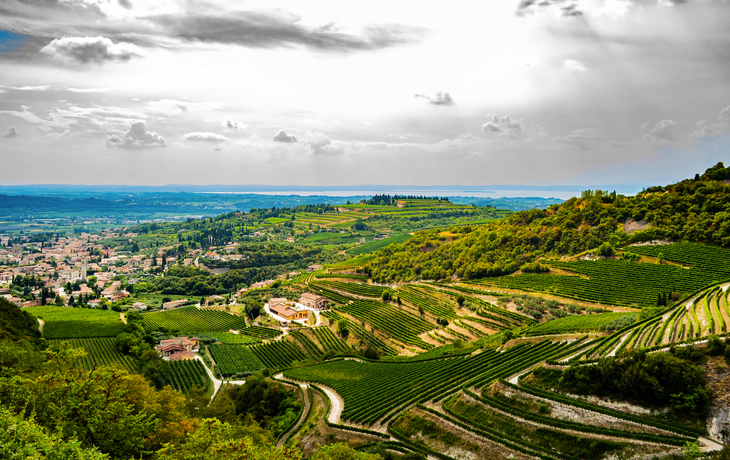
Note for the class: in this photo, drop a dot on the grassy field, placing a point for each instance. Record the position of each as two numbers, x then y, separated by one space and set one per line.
66 322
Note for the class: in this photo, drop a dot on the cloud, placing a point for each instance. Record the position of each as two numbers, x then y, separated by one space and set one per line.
205 137
576 66
321 144
503 126
136 138
527 7
282 136
125 4
234 125
91 50
11 132
27 88
172 107
725 113
272 29
584 139
440 98
663 133
712 128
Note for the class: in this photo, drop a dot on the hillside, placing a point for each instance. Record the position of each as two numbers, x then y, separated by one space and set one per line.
695 210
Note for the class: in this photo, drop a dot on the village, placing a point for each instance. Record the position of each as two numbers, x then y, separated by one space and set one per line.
82 270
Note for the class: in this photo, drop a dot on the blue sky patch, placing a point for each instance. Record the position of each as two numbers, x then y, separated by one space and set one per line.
10 41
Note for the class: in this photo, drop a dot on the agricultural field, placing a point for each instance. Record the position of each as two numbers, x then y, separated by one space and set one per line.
377 245
577 323
366 337
612 281
373 390
234 359
182 375
192 319
364 290
67 322
100 351
396 322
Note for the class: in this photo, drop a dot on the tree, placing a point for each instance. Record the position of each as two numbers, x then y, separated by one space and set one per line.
253 309
460 300
342 328
371 353
386 296
421 311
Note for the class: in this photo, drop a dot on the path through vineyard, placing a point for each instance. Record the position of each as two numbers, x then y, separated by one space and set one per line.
217 383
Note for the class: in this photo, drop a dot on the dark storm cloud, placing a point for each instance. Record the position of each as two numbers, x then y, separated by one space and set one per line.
271 30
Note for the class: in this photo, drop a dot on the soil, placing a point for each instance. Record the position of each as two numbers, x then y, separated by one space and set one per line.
631 225
471 446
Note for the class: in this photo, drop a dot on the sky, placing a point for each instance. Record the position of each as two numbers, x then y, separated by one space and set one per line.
154 92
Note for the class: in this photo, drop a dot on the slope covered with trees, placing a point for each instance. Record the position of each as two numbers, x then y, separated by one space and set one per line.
696 210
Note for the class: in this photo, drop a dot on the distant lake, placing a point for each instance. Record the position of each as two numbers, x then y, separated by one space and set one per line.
561 194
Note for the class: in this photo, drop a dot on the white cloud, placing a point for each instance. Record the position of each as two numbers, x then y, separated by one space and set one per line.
321 144
91 50
575 66
712 128
87 90
205 137
26 88
439 98
664 133
233 125
503 126
282 136
136 138
172 107
11 132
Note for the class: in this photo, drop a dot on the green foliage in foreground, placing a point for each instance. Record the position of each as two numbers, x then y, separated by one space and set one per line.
68 322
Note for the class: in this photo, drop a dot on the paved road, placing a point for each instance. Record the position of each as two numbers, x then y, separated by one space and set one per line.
217 383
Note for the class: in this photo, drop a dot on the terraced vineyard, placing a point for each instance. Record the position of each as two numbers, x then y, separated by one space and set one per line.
261 332
576 323
394 321
373 390
192 319
184 374
367 338
365 290
612 281
418 298
100 352
233 359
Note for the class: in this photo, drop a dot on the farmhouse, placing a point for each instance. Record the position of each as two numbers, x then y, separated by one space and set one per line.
169 347
182 355
314 268
174 304
287 312
314 301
